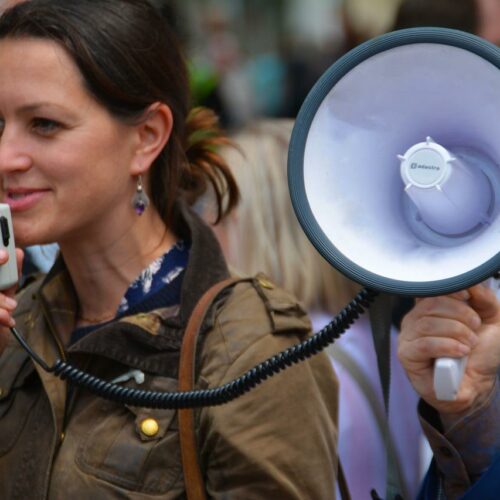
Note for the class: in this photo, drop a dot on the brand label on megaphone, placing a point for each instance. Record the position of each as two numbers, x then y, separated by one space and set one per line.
424 167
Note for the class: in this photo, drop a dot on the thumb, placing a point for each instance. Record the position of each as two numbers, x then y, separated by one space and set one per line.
19 264
483 300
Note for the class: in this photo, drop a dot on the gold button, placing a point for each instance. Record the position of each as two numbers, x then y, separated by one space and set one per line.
265 283
149 427
63 435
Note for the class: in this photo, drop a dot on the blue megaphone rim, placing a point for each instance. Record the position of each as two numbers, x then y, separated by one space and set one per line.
296 151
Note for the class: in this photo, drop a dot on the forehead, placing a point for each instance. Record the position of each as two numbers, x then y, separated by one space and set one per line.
7 4
37 66
34 52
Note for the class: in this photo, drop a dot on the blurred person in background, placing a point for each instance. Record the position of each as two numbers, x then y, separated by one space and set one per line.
263 234
365 19
219 72
461 15
489 23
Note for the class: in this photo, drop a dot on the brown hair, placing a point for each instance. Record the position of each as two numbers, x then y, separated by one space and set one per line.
129 58
263 233
204 140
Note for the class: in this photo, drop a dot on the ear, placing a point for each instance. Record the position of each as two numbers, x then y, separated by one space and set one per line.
153 132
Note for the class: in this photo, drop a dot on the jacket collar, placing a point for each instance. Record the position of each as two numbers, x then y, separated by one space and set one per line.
141 336
206 265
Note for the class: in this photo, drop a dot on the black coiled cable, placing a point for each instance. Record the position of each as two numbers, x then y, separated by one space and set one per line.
218 395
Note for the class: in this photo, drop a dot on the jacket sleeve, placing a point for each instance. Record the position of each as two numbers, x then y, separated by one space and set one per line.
467 456
279 439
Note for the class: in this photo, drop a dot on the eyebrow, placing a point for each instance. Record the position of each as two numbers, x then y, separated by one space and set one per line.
38 105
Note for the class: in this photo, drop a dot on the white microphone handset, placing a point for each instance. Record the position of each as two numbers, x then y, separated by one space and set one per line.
8 271
448 372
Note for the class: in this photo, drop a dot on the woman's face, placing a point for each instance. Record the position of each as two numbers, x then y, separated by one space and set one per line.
64 160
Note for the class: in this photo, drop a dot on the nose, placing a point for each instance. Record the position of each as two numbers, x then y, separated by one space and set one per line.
14 153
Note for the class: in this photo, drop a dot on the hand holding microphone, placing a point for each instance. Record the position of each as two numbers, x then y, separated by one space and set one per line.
11 259
7 301
466 323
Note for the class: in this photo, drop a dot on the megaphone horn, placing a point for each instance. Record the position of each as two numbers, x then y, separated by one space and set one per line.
394 162
393 166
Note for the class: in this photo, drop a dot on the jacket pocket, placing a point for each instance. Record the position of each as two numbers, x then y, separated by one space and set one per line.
133 448
18 394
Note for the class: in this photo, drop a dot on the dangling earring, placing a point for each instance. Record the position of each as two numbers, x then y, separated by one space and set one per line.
140 201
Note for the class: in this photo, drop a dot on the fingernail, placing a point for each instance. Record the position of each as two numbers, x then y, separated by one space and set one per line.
10 302
12 322
3 254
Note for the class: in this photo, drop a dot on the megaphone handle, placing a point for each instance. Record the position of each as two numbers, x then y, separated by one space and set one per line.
448 374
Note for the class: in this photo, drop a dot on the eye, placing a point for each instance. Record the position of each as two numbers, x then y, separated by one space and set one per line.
45 126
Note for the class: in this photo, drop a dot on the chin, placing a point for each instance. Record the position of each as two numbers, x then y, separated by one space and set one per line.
26 238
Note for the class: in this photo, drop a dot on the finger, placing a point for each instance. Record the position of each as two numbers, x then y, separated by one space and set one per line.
426 349
4 256
6 319
20 260
430 326
445 307
483 300
7 302
463 295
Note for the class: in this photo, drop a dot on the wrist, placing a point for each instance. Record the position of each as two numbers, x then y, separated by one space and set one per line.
466 406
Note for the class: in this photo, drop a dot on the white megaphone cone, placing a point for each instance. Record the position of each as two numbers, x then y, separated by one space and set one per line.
394 166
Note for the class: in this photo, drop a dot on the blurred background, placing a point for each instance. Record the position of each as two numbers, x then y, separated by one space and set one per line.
259 58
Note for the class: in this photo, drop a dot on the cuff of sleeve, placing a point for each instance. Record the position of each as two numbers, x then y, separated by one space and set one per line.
467 448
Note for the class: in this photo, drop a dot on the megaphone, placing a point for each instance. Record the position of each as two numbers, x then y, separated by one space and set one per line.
394 163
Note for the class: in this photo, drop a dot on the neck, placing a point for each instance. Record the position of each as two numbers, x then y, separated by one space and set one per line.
103 266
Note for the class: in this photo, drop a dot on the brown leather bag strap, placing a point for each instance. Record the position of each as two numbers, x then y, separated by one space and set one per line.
193 479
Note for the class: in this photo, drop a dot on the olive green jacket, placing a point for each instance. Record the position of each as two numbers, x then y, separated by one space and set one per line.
275 442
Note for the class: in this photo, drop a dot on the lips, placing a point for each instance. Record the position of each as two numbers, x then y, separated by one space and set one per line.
21 199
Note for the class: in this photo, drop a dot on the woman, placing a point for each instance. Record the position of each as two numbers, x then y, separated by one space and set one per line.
97 155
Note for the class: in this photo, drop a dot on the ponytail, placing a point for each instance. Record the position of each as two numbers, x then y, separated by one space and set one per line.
206 166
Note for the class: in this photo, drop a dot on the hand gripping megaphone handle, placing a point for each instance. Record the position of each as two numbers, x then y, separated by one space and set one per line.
448 373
